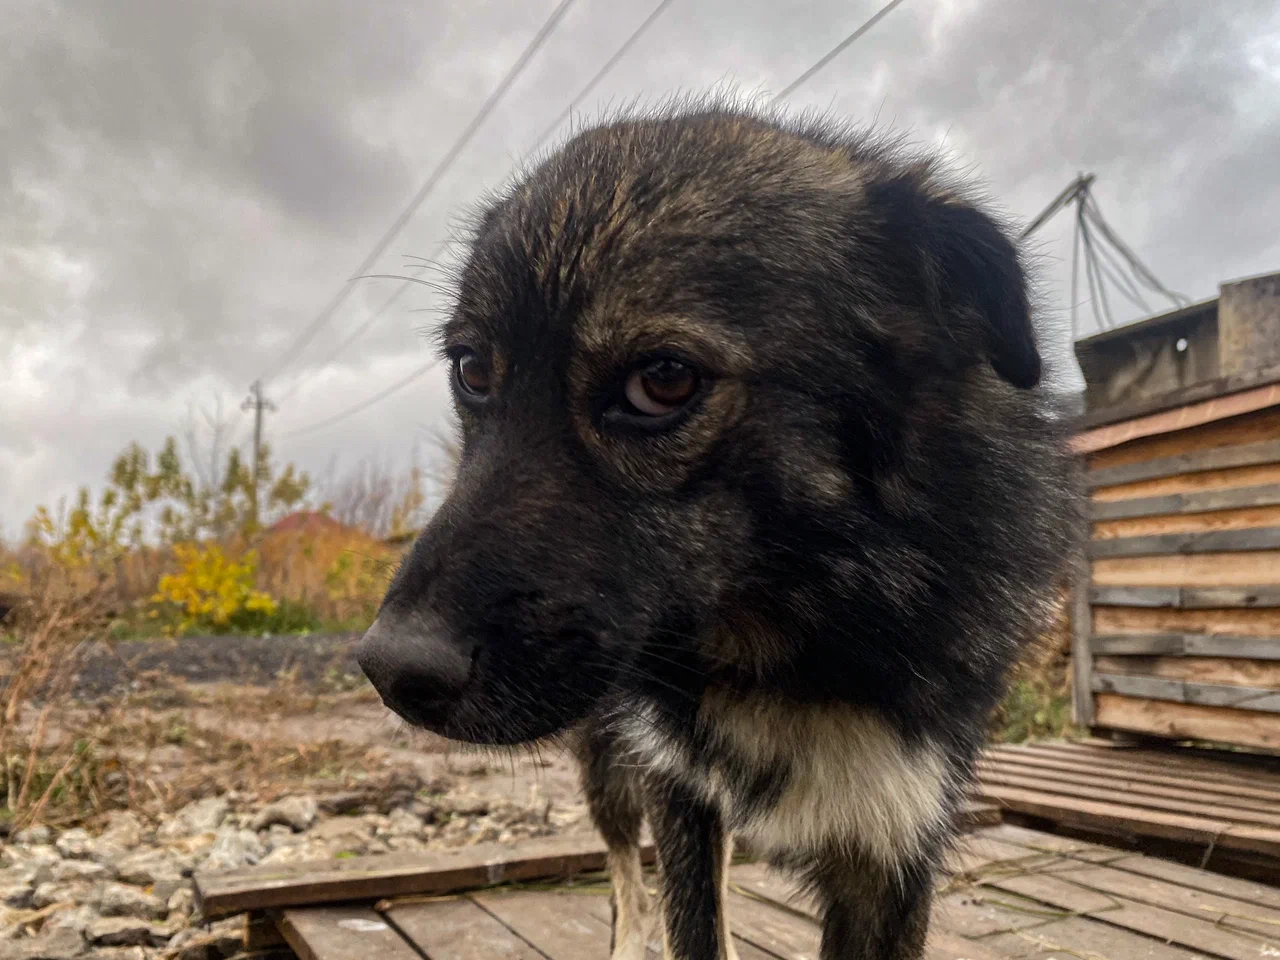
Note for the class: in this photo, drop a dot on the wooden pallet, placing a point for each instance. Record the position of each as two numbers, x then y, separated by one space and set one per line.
1009 893
1219 811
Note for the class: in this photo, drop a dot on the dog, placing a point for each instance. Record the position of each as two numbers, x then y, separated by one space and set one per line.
761 493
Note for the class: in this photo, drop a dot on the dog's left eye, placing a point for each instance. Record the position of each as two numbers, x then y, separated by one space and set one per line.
661 387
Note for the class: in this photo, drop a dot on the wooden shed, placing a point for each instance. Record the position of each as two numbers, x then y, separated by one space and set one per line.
1176 626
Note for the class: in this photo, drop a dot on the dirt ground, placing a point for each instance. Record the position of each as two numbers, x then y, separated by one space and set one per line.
194 706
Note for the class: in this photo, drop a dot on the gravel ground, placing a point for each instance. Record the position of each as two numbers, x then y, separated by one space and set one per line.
351 781
125 890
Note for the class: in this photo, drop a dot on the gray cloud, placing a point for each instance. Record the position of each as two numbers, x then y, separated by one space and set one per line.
187 184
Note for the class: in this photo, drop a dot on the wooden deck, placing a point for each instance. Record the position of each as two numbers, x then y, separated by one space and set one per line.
1009 893
1191 804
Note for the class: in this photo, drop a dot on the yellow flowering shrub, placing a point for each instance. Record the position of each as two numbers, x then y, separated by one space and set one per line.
212 591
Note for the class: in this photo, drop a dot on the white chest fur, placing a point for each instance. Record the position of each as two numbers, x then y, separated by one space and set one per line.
851 779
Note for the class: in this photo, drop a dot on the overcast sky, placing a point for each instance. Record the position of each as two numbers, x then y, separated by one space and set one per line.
187 184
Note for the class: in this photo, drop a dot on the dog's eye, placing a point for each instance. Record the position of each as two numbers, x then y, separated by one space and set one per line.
471 373
661 387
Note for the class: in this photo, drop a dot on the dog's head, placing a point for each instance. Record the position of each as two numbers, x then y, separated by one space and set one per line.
699 361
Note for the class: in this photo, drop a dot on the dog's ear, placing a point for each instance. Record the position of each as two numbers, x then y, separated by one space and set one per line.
969 274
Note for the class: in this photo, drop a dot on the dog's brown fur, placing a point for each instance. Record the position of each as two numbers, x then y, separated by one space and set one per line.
785 608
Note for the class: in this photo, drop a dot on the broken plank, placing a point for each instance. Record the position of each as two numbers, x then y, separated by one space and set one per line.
392 875
342 933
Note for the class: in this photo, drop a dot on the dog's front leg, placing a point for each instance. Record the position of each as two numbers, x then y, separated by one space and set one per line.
873 911
694 852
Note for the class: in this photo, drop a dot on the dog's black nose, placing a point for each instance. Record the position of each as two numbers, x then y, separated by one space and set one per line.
416 667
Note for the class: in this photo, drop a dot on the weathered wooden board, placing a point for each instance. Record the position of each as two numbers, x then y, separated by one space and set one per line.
554 923
391 875
437 873
1186 483
1228 671
1244 570
1184 721
1182 691
1245 892
1212 541
1261 622
1179 504
996 776
1240 650
1134 783
1105 816
1249 454
1195 393
1151 908
1249 518
456 929
1186 598
1200 763
350 932
1200 403
1011 893
1256 425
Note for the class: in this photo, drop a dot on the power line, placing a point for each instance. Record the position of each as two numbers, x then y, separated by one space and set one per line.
365 403
581 95
601 73
835 52
1104 256
399 292
364 328
325 315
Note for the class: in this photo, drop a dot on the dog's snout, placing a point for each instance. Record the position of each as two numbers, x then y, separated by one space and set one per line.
416 667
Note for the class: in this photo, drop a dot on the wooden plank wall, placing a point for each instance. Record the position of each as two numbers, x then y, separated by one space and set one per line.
1180 634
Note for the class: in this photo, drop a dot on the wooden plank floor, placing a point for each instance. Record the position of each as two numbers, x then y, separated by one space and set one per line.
1198 800
1010 893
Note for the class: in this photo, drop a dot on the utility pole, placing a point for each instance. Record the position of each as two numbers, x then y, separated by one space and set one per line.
259 405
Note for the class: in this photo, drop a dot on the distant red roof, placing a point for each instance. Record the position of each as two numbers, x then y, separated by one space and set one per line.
306 521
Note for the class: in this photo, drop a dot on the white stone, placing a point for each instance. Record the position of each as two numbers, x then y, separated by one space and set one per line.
296 812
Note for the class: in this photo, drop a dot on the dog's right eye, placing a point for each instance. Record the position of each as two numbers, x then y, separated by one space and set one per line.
661 387
655 394
471 374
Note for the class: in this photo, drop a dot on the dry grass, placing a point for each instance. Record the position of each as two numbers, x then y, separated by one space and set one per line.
63 762
60 615
1038 704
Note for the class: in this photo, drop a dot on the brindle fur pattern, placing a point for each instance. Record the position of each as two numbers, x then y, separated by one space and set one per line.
789 614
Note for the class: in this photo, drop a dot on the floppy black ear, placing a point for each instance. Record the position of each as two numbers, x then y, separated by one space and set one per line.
976 267
966 270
